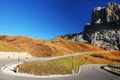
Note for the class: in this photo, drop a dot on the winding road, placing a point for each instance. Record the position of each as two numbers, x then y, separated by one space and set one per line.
87 72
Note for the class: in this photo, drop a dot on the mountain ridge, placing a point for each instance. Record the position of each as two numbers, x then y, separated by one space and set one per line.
104 29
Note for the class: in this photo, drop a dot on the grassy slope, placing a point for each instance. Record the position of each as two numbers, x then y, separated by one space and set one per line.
107 57
59 66
65 65
57 46
44 48
8 47
112 56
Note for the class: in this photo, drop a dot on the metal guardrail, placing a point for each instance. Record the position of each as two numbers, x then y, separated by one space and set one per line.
114 65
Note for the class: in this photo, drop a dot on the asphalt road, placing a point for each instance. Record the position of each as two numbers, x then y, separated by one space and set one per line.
88 72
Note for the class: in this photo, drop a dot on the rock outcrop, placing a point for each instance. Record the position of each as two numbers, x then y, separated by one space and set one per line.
104 29
107 15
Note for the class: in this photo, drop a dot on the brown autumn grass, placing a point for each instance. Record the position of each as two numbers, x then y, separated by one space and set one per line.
59 66
112 55
57 46
8 47
65 65
105 57
45 48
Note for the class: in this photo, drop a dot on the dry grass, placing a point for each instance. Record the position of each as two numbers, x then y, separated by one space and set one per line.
59 66
65 65
112 56
8 47
74 46
57 46
89 59
44 48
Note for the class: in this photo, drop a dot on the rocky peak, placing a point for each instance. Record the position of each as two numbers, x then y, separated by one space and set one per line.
104 29
113 12
107 16
113 6
98 15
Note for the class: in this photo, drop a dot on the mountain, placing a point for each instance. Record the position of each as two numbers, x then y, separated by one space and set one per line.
104 29
43 48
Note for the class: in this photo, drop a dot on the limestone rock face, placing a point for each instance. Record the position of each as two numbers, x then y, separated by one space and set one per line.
104 29
107 15
112 12
106 38
98 15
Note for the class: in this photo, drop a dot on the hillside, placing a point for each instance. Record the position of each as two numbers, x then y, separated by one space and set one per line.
43 48
66 65
4 46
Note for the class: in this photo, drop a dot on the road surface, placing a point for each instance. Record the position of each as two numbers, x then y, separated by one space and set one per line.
88 72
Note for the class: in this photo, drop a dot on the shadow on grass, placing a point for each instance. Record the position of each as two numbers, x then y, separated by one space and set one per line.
115 73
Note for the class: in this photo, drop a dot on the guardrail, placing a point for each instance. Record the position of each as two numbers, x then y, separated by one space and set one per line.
114 66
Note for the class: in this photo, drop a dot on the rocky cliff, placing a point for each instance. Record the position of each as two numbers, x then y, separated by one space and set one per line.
104 29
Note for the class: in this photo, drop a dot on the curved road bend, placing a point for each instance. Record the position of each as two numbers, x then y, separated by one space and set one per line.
88 72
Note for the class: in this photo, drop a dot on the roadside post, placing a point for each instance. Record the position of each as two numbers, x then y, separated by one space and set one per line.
18 57
72 64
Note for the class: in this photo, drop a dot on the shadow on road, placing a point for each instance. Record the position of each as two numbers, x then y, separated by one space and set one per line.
115 73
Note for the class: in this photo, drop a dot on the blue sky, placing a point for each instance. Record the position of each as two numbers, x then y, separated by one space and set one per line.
46 19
